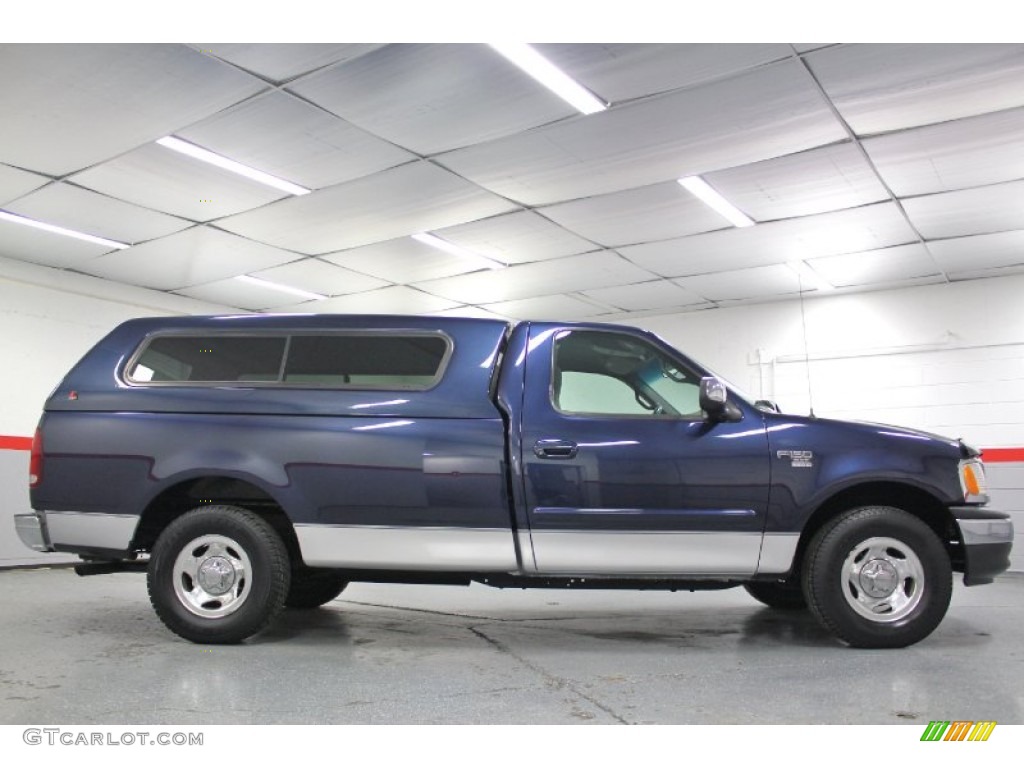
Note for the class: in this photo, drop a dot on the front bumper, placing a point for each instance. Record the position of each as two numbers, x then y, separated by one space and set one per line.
987 538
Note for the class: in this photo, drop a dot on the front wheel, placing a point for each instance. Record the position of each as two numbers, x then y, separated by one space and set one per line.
878 577
218 574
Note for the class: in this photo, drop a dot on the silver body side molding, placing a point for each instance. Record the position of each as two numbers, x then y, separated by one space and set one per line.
529 564
643 553
89 530
777 552
546 552
427 549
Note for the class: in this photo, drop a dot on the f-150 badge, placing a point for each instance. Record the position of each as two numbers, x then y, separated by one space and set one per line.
798 458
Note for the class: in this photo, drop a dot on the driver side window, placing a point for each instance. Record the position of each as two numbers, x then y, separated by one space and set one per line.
615 374
595 393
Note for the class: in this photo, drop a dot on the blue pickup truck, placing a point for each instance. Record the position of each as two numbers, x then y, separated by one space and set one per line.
258 462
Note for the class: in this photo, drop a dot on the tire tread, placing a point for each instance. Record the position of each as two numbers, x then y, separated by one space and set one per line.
831 617
237 627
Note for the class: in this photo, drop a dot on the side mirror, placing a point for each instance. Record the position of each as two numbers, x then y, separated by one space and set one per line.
714 400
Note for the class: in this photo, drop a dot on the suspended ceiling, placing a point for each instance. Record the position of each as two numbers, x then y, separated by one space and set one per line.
875 166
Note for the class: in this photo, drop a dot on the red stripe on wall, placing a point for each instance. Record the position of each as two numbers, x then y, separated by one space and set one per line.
997 455
990 455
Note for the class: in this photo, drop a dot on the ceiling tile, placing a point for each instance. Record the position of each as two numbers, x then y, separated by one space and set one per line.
627 71
236 293
468 312
657 294
283 136
772 280
975 274
279 62
515 238
542 278
904 262
430 97
15 182
979 252
80 209
403 260
559 307
880 88
193 257
658 212
816 181
769 112
604 220
29 244
971 152
396 300
418 197
320 277
164 180
67 107
997 208
826 234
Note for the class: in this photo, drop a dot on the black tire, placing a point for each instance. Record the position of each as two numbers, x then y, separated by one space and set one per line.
312 587
781 595
878 577
218 574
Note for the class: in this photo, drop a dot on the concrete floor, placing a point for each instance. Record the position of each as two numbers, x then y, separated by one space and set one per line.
91 650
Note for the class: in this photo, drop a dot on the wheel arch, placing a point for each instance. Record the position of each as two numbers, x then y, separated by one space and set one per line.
911 499
212 489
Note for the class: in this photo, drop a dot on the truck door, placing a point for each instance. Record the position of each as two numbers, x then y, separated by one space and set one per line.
622 474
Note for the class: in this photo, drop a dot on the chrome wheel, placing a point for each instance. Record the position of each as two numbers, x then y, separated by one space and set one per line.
212 576
218 574
878 577
883 579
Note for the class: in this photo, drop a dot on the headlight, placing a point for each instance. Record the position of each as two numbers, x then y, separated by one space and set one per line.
972 481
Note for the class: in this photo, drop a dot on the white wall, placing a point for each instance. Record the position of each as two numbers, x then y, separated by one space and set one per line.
944 358
48 320
939 356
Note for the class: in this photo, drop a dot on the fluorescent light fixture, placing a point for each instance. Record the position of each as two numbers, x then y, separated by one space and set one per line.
711 198
213 158
15 219
551 77
456 250
278 287
809 277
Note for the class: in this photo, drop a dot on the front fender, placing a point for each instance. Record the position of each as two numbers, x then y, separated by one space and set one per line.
814 460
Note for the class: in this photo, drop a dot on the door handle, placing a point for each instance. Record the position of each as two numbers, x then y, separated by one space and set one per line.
553 448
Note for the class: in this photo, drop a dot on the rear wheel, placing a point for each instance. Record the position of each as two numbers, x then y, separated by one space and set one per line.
312 587
218 574
781 595
878 577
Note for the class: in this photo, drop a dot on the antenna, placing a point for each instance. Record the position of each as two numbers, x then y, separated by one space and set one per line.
807 356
